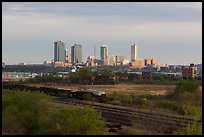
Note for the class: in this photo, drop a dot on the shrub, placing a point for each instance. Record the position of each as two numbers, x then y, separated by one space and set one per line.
175 106
190 87
187 92
190 130
22 111
77 121
29 113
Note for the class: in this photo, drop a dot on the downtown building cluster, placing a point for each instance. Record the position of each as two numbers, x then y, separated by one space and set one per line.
63 58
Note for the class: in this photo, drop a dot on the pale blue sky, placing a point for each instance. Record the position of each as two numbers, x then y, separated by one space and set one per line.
170 32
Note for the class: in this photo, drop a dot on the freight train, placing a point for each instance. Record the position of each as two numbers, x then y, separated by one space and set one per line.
65 93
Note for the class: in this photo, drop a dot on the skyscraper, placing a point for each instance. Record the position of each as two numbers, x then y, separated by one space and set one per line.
104 54
134 49
76 53
59 51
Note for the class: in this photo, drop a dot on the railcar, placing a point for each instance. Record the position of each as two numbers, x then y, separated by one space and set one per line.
80 94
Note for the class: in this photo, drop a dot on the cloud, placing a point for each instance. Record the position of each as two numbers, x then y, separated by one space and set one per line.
98 27
148 11
191 5
154 26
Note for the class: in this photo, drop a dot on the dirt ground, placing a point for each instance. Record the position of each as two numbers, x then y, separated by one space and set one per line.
136 89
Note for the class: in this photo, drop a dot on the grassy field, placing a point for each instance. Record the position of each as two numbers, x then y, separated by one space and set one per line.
135 89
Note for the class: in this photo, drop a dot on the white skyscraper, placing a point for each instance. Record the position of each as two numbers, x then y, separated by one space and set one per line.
134 50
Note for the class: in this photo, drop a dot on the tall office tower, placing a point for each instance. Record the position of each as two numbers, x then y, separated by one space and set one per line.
134 50
104 54
59 51
76 53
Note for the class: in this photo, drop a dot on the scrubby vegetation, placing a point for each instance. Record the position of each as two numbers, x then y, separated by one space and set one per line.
190 130
185 99
188 94
182 100
129 100
29 113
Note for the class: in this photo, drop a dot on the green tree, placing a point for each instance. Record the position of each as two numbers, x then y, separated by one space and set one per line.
21 111
77 121
107 72
186 91
188 96
85 74
74 78
32 113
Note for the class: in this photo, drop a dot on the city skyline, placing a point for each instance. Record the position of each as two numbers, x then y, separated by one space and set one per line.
170 32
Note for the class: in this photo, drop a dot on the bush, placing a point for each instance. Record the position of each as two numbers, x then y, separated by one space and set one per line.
186 86
76 121
195 112
175 106
128 99
30 113
187 92
22 111
190 130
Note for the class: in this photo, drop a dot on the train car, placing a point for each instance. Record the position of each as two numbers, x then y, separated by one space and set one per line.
66 93
71 94
63 92
34 89
84 95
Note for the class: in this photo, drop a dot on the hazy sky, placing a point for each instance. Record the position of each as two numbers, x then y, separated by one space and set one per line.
170 32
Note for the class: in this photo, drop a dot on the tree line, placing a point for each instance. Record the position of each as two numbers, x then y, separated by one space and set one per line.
85 75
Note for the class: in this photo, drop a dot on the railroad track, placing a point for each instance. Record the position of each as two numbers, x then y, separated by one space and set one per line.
126 116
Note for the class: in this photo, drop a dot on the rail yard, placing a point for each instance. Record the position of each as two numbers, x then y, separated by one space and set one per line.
158 122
